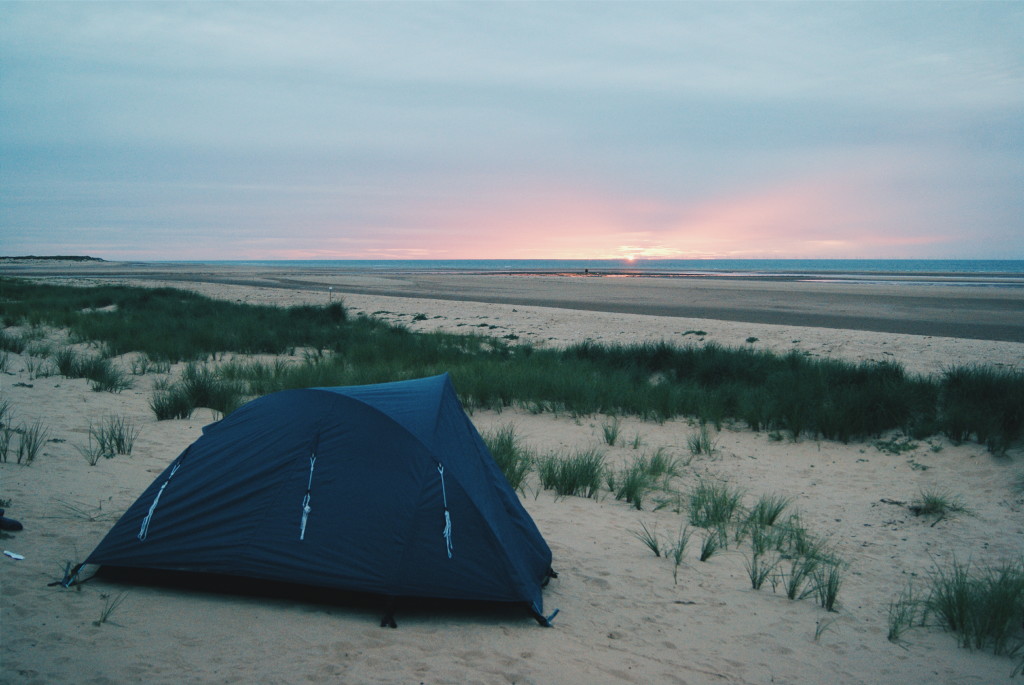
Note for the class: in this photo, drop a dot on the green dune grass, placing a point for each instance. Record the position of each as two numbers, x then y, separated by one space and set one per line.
789 393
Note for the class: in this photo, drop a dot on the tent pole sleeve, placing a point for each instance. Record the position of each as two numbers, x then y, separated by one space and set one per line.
144 528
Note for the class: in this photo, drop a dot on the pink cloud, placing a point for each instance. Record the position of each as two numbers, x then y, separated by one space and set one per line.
856 213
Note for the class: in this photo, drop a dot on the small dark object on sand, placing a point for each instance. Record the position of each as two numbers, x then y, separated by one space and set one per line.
8 524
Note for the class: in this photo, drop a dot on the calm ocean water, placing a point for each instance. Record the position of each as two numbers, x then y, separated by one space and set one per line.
971 269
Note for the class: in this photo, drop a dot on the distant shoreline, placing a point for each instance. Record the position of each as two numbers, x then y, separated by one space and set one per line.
1010 271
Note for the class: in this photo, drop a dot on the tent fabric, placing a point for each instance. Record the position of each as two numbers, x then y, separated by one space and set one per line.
345 488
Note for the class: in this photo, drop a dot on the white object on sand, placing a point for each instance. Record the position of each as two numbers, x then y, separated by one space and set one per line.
14 555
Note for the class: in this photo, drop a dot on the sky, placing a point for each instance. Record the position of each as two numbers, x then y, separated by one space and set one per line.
519 130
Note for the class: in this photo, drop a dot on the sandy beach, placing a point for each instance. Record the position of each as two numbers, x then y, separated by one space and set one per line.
982 307
623 617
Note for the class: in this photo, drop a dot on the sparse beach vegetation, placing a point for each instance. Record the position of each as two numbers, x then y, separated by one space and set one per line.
701 442
678 551
937 502
711 543
601 390
33 437
98 368
632 483
170 402
645 474
767 510
759 568
513 458
982 605
903 613
112 436
661 464
983 403
792 393
38 368
714 504
11 342
110 605
794 580
577 475
107 377
827 578
142 364
5 443
649 536
611 429
92 451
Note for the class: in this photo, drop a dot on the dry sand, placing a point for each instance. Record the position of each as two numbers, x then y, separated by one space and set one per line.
623 619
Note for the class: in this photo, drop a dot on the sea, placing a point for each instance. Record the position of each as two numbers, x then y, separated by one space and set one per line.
968 272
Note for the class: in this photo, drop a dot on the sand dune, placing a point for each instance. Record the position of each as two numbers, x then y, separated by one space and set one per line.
623 619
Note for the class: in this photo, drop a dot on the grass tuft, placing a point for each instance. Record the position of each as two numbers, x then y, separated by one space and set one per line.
827 578
611 430
10 342
514 460
171 402
714 504
760 569
984 607
661 464
649 537
633 483
200 386
701 442
114 435
580 474
142 364
678 551
768 509
711 543
106 377
796 580
903 613
33 436
939 503
110 605
5 443
984 403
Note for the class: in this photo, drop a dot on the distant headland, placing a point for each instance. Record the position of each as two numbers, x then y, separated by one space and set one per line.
51 258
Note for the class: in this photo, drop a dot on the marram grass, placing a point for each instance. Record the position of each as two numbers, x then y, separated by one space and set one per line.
513 458
784 394
579 474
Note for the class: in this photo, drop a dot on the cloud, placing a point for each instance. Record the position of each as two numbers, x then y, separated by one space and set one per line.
457 128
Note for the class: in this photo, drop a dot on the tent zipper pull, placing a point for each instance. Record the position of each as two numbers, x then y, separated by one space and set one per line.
447 532
306 509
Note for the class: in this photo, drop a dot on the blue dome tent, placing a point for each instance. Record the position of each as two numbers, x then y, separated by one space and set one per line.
385 489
